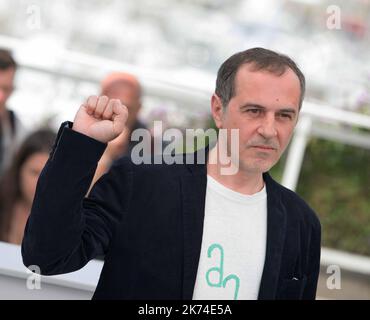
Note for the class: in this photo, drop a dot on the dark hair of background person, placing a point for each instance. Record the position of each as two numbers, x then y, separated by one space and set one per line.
6 60
10 185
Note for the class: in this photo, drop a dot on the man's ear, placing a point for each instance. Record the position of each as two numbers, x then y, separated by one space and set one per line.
217 110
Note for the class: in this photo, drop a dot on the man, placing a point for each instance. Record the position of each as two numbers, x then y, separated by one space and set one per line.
184 231
126 88
11 129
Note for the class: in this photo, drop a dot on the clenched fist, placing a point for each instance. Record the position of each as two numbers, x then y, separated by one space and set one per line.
101 118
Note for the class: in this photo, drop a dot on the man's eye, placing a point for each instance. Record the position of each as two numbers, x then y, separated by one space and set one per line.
286 116
254 111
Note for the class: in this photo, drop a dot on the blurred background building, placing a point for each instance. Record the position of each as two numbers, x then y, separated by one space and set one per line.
64 48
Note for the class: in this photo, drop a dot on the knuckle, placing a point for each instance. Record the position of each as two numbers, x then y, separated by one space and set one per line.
91 101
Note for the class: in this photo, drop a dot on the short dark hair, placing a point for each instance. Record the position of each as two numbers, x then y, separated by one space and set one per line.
260 59
6 60
41 140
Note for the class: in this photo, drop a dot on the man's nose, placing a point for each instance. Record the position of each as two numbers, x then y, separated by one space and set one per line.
267 128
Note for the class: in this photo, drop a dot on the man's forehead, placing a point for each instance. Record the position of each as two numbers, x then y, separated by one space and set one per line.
248 74
266 88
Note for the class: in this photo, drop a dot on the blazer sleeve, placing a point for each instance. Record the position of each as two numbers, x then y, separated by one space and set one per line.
65 230
314 254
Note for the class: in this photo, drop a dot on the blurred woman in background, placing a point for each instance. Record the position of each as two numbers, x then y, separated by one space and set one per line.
18 184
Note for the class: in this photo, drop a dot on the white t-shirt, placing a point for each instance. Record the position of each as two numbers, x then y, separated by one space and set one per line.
233 245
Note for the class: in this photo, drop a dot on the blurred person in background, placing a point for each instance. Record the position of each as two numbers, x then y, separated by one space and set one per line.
18 184
11 129
126 88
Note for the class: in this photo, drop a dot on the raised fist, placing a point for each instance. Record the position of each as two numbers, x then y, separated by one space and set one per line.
101 118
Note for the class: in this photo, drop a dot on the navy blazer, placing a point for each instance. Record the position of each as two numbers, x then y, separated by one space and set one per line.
148 222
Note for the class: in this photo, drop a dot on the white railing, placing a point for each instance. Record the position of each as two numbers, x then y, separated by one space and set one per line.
309 125
17 282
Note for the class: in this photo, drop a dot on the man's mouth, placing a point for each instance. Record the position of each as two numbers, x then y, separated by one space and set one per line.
265 148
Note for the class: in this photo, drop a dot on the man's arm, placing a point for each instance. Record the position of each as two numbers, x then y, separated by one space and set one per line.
66 230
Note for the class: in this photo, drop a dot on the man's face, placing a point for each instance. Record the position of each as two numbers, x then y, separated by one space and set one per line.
265 110
6 86
128 96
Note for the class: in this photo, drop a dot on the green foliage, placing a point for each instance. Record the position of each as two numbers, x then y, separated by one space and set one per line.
335 181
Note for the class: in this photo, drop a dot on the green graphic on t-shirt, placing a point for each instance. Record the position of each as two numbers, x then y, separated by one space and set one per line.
220 271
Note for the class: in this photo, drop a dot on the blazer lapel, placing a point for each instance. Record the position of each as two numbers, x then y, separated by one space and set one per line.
276 229
193 189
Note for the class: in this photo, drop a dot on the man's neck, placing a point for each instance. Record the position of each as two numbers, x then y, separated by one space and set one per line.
242 181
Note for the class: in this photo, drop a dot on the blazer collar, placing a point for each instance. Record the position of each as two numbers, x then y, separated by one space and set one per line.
276 229
193 189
